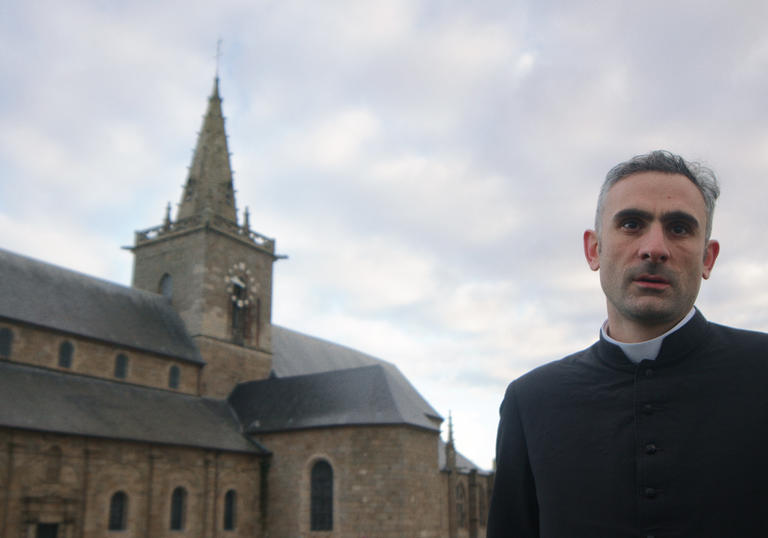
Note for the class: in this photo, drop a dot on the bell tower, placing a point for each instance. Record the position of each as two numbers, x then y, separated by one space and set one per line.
216 271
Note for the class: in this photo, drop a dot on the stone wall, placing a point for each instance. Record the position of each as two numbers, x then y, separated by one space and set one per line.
201 264
183 257
385 478
40 347
69 481
228 364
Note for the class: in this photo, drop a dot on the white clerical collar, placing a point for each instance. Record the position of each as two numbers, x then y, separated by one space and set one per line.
649 349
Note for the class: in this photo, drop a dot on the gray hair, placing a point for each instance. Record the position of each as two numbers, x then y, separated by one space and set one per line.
668 163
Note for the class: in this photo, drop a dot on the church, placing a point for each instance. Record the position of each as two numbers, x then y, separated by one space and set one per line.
175 408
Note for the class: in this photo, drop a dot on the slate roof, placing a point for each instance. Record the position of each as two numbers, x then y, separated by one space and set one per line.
366 395
46 295
44 400
299 355
295 353
463 464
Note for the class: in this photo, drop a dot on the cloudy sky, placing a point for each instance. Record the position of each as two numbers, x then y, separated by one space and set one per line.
428 166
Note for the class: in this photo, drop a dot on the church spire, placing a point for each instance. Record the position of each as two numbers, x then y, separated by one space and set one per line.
209 186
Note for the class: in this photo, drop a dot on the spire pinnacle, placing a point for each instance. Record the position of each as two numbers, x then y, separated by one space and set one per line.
209 183
218 60
167 219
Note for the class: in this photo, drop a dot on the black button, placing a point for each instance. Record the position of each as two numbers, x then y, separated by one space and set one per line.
648 409
650 448
650 493
649 372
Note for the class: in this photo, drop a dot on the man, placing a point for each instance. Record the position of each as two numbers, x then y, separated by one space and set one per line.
660 428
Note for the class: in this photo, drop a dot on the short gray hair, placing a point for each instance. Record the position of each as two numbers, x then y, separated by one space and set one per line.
668 163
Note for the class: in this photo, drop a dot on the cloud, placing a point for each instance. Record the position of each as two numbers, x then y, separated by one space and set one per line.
428 166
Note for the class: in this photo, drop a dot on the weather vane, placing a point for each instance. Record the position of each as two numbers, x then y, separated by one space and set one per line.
218 56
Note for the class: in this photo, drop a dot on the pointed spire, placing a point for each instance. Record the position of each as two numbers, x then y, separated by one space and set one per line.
247 220
209 183
167 219
450 449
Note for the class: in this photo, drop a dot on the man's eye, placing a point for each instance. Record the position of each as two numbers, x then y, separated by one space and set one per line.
630 225
679 229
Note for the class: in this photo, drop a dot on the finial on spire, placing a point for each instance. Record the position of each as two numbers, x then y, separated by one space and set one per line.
167 219
450 428
218 56
246 220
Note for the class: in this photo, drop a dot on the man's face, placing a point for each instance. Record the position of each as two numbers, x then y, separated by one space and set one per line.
651 251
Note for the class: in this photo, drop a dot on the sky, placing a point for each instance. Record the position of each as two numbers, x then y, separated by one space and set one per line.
428 167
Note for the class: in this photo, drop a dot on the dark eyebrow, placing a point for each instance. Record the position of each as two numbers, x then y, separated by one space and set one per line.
632 213
680 216
672 216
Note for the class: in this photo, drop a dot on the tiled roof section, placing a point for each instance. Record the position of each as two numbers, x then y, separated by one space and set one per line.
43 400
46 295
296 354
463 464
368 395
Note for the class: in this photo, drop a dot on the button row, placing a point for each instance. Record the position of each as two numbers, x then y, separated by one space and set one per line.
650 493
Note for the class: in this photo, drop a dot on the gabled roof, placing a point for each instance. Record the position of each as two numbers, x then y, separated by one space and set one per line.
296 354
49 296
368 395
44 400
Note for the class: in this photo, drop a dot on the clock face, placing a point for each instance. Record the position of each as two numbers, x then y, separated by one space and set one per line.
241 285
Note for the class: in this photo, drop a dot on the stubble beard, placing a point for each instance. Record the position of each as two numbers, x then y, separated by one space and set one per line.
650 307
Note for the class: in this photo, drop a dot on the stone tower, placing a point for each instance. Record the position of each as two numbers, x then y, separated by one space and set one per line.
216 272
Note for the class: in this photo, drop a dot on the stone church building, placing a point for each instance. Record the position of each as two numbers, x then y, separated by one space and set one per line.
175 408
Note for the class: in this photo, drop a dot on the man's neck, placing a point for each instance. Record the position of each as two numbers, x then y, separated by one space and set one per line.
631 332
647 349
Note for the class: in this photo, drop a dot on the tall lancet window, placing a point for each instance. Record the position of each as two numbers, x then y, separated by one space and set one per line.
166 286
240 285
321 497
239 309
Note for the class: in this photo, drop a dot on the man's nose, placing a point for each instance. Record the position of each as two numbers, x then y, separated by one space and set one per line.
653 245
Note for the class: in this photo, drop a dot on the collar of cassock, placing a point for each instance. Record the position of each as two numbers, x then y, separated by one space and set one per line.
667 348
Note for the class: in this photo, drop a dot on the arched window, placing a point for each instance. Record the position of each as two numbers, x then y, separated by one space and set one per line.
321 509
166 286
53 467
178 508
65 354
174 376
6 339
118 511
121 366
461 506
230 510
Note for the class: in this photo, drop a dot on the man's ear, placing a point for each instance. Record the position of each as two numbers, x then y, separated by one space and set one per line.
592 249
710 255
